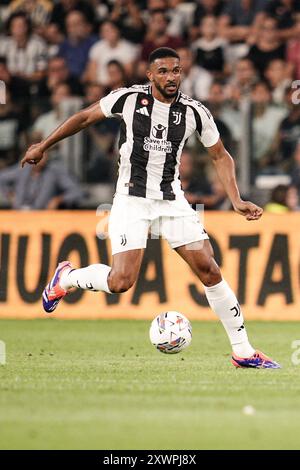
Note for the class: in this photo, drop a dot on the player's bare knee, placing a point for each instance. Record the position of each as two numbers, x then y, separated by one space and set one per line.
120 282
210 274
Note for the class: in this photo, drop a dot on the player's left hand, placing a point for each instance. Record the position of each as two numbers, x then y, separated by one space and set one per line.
34 155
248 209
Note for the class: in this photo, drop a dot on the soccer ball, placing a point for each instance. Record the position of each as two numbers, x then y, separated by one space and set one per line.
170 332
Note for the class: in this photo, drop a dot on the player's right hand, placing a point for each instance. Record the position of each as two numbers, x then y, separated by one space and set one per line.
33 155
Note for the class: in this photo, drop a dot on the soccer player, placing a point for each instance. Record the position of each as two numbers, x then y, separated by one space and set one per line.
156 120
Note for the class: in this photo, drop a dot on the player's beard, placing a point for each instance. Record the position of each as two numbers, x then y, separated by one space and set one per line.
165 92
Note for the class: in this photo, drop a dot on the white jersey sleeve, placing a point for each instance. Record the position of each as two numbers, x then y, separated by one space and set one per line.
208 133
113 103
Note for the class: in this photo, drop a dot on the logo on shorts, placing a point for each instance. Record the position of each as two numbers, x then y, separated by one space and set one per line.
123 239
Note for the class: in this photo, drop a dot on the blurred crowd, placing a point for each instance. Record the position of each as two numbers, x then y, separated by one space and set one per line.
74 51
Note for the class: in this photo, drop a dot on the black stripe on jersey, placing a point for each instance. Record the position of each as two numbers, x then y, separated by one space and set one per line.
141 128
175 135
119 104
197 119
123 134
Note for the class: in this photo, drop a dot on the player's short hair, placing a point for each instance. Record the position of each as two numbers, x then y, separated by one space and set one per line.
162 53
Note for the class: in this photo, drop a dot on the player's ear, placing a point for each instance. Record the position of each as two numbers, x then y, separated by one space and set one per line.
149 75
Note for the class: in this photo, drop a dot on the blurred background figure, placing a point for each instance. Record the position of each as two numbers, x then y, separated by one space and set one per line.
57 73
13 132
180 14
293 48
110 47
196 81
265 124
243 78
201 185
240 19
44 186
116 76
288 134
38 11
79 40
279 79
157 34
25 53
127 15
48 121
210 47
100 142
284 198
62 8
18 87
225 112
268 45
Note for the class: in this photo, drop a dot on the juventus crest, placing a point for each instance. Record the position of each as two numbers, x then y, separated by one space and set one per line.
177 115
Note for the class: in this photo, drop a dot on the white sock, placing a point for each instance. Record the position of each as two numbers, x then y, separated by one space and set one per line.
93 277
224 303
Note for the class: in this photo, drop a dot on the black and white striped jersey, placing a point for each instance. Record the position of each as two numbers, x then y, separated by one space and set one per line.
152 137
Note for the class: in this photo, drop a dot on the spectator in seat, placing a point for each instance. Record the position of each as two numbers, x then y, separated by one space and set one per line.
226 114
288 134
48 121
242 80
57 73
241 19
62 8
192 183
38 11
111 46
117 75
284 198
127 15
157 36
293 49
26 54
268 46
180 15
44 186
279 78
265 125
208 7
13 127
197 188
100 141
195 81
284 12
75 48
209 48
292 198
18 87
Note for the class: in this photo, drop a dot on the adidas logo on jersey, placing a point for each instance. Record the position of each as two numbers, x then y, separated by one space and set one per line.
143 111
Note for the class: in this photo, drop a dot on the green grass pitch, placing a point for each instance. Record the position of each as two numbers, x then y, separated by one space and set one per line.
102 385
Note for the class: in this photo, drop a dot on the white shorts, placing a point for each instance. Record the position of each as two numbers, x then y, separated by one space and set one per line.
133 219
